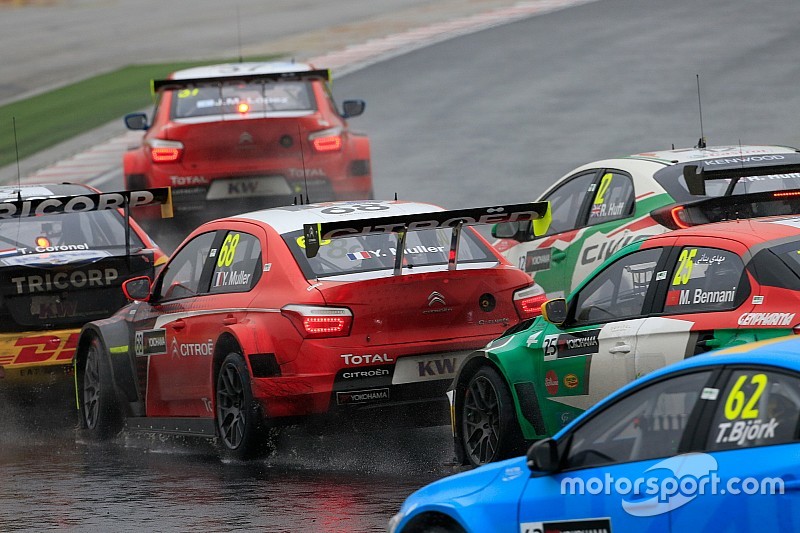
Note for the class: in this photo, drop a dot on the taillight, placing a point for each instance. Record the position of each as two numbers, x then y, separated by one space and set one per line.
318 322
529 300
672 217
162 151
327 140
796 329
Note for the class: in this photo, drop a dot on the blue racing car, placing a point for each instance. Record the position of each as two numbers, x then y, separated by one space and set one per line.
709 444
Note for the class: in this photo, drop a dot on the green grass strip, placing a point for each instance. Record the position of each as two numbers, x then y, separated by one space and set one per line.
47 119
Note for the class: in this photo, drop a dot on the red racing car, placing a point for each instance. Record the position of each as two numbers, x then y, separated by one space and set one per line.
234 137
268 317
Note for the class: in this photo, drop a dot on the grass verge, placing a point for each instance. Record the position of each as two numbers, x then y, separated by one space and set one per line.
50 118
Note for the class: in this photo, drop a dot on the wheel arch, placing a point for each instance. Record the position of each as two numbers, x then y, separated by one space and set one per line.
428 519
114 338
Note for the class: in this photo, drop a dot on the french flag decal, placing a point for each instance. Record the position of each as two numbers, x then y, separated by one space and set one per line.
358 256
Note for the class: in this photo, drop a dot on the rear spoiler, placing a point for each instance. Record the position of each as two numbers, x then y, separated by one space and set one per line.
157 85
536 212
696 176
721 208
50 205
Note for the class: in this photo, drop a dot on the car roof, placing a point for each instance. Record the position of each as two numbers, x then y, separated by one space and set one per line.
685 155
228 69
12 192
291 218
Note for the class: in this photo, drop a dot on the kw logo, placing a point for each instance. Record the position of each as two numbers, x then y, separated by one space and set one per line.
243 187
438 367
436 298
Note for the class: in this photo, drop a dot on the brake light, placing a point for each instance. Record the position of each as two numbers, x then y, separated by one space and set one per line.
327 140
43 242
243 108
529 300
162 151
318 322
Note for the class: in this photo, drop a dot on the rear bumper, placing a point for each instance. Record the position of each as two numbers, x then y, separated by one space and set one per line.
196 203
35 358
417 381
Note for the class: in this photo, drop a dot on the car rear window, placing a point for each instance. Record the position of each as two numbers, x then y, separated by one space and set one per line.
778 266
243 99
374 252
76 231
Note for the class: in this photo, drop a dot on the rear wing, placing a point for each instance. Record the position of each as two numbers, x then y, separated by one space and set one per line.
158 85
31 207
536 212
49 205
721 208
696 176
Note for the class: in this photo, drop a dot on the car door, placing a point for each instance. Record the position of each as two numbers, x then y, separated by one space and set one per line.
702 292
614 462
161 328
751 443
593 355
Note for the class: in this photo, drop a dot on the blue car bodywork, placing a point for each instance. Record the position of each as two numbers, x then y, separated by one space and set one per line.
722 453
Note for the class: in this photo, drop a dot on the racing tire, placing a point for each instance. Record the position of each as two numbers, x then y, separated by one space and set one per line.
489 428
101 411
240 423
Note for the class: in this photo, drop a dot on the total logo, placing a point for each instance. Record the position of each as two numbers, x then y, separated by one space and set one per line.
192 348
366 359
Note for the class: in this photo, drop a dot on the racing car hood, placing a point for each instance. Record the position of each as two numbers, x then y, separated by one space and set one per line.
506 478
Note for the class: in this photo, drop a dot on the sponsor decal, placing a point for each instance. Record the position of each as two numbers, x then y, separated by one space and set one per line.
150 342
758 300
235 277
308 173
431 367
537 260
570 344
571 381
605 249
437 303
437 367
81 203
741 160
592 525
362 396
503 321
39 348
366 359
551 382
188 180
189 349
77 279
366 373
766 319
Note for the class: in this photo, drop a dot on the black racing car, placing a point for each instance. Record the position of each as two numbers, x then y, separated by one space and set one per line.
65 250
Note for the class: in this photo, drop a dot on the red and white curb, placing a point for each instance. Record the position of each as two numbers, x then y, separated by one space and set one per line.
93 165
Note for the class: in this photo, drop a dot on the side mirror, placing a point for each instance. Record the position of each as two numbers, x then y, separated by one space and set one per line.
137 288
555 311
353 108
136 121
519 231
543 456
